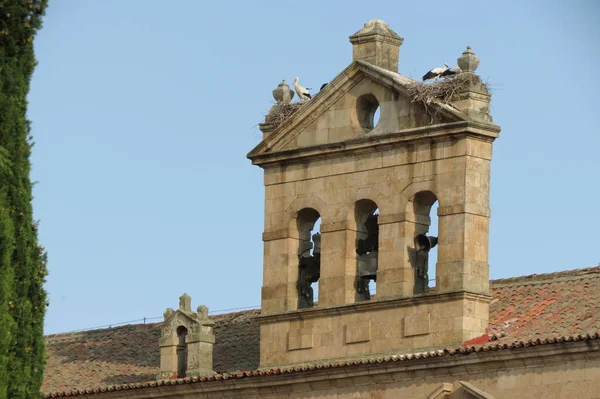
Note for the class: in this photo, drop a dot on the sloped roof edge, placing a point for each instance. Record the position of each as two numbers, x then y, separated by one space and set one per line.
547 277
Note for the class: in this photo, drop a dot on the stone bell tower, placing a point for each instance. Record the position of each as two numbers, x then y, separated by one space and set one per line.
373 184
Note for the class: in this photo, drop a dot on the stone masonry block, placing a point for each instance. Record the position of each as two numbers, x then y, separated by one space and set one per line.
358 332
300 339
417 324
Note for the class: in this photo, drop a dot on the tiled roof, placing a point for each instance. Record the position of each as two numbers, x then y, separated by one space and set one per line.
526 311
546 305
130 354
333 365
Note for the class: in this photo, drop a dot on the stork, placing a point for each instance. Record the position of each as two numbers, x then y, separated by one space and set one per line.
451 72
435 72
301 91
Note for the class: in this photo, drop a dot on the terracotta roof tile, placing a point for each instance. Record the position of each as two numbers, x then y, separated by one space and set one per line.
333 365
130 354
547 305
526 311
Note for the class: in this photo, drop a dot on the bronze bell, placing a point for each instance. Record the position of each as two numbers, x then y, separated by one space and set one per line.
424 243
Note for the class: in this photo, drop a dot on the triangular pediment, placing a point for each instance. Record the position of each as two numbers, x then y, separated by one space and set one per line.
463 390
176 319
343 110
472 392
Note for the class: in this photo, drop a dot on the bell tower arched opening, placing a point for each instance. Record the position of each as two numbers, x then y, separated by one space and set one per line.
366 214
309 257
424 254
182 351
433 252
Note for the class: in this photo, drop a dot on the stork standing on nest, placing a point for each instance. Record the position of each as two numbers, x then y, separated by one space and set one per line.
450 72
301 91
435 72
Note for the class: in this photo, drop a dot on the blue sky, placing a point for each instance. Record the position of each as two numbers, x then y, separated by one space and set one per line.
143 113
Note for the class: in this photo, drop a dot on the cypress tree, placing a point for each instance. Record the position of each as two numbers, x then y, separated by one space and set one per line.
22 260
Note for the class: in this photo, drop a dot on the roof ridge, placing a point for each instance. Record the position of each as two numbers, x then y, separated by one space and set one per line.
67 334
575 274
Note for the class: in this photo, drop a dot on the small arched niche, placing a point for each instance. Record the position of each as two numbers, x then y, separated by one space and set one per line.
182 351
424 254
366 215
367 111
309 257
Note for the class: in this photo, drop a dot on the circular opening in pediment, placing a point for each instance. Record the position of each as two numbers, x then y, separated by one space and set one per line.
367 111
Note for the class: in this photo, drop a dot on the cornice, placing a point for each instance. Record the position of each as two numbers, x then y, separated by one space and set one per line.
369 306
379 142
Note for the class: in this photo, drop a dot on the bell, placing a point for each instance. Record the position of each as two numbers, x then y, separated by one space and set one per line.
424 242
367 266
317 240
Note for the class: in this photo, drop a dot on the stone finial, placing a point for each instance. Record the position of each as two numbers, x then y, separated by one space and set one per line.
377 44
376 27
468 61
168 313
202 311
185 303
283 94
473 100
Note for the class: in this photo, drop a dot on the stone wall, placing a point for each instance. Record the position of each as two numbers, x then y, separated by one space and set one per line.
454 169
376 327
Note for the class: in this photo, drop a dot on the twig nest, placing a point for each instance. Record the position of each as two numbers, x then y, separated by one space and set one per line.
445 89
280 113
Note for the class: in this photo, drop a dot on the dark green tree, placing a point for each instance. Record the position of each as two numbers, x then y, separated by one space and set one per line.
22 259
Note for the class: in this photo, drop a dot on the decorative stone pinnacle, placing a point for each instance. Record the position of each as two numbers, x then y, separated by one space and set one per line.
185 303
468 61
283 94
202 311
168 313
373 28
376 22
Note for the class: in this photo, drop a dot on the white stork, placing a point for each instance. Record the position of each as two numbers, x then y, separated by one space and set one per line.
301 91
435 72
451 72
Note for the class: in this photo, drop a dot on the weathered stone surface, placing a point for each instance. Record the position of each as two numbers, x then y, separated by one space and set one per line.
283 94
189 333
468 61
300 339
418 324
378 44
358 332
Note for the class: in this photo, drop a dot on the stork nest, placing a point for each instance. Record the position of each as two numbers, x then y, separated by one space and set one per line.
444 90
280 113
